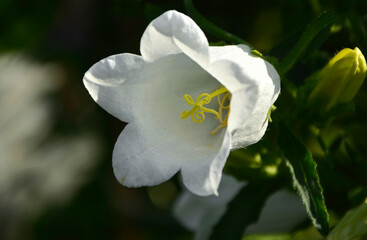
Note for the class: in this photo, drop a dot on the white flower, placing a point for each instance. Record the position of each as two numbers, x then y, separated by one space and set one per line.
283 211
153 93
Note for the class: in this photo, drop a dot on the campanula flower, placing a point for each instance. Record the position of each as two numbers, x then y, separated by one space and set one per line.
186 104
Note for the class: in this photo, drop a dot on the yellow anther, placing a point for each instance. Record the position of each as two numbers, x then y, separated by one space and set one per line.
198 110
223 123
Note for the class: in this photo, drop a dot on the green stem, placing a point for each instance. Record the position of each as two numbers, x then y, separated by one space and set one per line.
209 27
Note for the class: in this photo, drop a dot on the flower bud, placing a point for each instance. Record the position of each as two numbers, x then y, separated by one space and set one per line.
339 81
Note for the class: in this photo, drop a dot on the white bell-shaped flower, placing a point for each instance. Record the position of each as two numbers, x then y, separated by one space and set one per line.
282 212
186 104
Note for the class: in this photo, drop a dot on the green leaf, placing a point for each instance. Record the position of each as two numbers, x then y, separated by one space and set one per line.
209 27
244 209
323 21
255 163
305 178
341 109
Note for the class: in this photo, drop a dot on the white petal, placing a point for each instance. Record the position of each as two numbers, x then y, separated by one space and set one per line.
191 209
162 101
202 176
139 160
254 84
230 65
269 87
162 138
283 211
250 133
208 222
172 33
144 158
109 80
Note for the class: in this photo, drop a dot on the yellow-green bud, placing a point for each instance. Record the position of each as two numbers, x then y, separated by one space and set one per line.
340 80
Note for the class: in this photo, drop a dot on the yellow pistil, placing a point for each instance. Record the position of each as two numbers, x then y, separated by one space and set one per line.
198 110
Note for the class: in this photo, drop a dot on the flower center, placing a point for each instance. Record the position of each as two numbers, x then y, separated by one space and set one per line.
198 110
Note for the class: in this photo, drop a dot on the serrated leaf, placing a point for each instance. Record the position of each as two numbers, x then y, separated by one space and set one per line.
305 178
244 209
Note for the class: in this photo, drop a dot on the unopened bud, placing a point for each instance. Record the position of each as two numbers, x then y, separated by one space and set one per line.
340 80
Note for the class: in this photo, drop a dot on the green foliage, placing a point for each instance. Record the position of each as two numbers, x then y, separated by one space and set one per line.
309 122
255 163
325 20
305 178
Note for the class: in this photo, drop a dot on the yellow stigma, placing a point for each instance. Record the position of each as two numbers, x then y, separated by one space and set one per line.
198 110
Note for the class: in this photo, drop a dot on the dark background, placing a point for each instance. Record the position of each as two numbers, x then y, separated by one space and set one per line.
73 35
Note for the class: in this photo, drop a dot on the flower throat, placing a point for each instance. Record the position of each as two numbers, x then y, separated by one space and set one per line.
198 110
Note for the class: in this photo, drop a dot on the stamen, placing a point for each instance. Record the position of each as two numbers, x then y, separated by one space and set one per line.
272 109
223 123
198 111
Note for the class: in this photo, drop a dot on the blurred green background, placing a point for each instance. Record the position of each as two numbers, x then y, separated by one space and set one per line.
56 178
